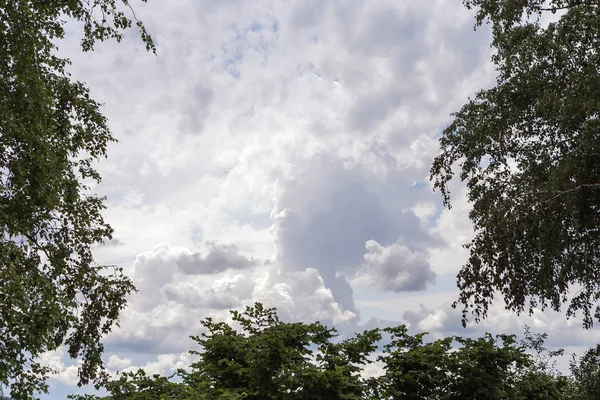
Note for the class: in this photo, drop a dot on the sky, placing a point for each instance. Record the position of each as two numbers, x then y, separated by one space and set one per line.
279 151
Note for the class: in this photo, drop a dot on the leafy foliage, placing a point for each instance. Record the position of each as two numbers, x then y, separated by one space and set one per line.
415 370
587 373
51 132
258 356
529 151
483 368
270 359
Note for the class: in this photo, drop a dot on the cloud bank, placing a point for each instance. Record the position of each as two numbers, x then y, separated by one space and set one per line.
279 151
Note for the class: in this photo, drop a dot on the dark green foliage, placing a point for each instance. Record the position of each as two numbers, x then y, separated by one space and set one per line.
586 372
270 359
483 368
536 385
486 370
139 386
541 380
51 133
414 370
529 151
260 357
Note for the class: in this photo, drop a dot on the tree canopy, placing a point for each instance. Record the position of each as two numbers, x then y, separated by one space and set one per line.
257 356
529 152
51 132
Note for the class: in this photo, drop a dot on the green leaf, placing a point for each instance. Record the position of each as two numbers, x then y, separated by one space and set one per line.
51 131
529 152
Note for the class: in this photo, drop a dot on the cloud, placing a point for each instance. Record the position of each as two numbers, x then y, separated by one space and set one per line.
394 268
220 257
225 293
165 262
176 296
164 364
303 296
268 143
63 373
442 320
115 362
197 108
332 206
114 242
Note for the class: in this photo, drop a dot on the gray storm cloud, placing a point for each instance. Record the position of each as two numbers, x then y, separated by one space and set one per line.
329 210
219 257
